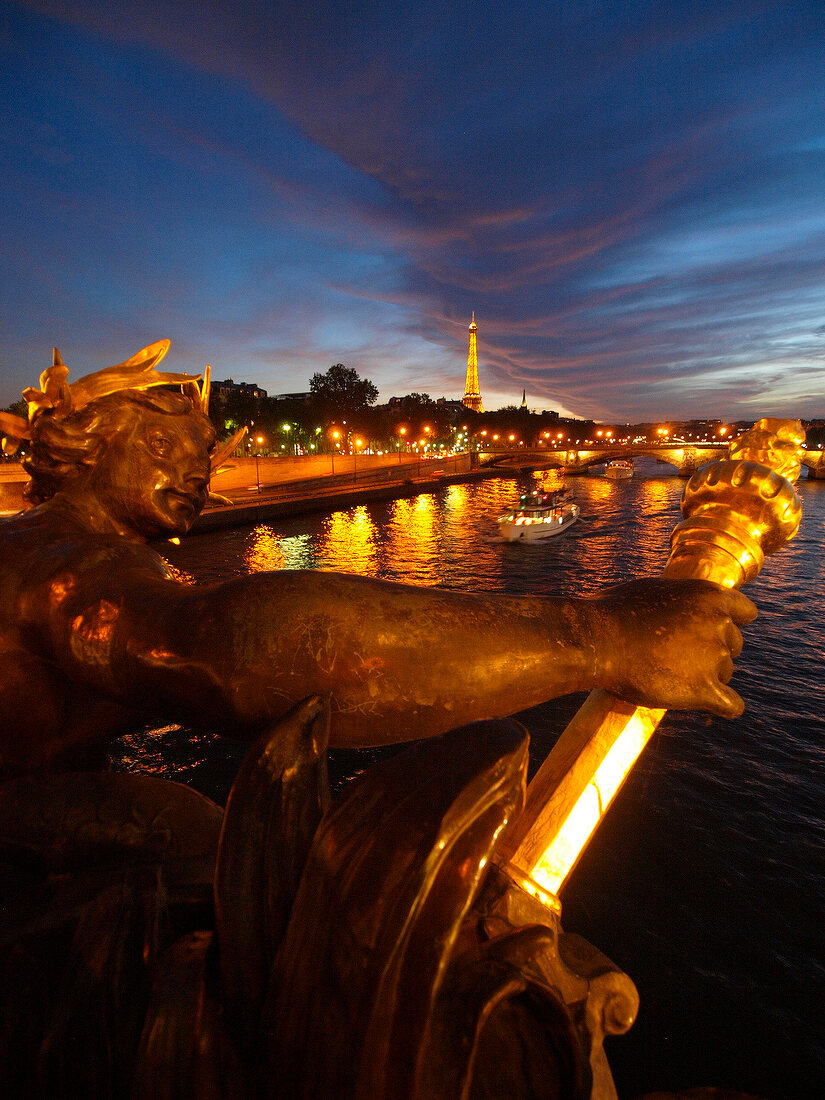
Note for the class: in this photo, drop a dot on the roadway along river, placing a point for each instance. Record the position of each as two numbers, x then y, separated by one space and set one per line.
706 883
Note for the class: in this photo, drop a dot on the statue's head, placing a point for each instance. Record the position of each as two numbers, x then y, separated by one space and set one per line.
142 456
134 443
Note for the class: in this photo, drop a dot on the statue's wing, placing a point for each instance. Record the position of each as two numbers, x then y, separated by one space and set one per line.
390 878
274 807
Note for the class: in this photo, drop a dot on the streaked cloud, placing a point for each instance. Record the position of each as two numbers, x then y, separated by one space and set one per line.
629 196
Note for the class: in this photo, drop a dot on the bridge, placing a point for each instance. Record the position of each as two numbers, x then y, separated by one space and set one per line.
686 457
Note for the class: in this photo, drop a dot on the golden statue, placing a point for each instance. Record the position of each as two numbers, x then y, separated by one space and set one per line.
408 909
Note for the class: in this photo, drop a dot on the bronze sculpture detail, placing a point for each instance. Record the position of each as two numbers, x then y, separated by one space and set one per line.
95 634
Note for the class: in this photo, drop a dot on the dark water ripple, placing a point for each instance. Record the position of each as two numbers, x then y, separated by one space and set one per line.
706 882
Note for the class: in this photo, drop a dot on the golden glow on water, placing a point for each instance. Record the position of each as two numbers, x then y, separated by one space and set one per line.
625 528
655 495
600 489
412 526
179 575
348 542
457 499
263 552
656 520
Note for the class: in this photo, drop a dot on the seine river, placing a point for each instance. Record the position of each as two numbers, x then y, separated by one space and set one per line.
706 882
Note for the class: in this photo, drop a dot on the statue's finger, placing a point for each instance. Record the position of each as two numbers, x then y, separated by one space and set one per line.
724 701
725 670
740 608
733 639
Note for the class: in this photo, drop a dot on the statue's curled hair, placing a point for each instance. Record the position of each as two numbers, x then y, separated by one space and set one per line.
61 447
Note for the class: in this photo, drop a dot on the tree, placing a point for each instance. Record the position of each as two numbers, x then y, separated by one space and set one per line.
417 405
418 399
18 408
341 392
234 410
21 410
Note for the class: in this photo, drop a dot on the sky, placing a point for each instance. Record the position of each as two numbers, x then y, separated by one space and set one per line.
630 196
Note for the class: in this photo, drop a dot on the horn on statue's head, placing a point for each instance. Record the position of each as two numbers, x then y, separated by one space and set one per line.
206 389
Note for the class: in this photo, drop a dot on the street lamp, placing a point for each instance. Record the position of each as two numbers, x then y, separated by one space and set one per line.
357 444
259 440
336 435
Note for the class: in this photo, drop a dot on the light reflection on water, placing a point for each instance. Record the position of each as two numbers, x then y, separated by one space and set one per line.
264 552
348 543
707 880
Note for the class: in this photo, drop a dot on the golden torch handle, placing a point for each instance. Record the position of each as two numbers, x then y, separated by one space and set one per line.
736 511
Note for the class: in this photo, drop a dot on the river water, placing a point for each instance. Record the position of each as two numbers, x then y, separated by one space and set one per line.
706 882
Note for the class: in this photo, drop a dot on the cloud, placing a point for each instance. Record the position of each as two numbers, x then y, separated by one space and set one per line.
625 194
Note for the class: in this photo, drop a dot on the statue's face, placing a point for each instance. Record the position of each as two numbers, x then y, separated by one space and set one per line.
152 480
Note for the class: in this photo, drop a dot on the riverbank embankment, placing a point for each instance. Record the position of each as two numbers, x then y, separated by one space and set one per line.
326 483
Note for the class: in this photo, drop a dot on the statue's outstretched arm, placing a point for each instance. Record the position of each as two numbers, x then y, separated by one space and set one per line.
399 662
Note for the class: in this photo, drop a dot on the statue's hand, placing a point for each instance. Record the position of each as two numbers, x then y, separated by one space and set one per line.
671 644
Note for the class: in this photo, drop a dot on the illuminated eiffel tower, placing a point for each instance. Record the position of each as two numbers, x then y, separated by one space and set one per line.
472 393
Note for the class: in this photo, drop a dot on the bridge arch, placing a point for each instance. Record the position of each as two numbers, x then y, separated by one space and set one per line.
686 457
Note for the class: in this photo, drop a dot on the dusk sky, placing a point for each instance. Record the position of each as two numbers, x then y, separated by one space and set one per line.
630 195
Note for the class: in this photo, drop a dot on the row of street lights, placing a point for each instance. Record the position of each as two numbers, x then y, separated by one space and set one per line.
344 440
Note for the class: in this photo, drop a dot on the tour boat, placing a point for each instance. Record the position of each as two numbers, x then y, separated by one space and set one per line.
619 468
539 515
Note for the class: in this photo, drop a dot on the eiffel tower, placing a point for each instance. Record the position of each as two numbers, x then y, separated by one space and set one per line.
472 393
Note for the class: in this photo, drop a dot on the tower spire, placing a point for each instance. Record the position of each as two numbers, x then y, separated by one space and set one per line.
472 393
